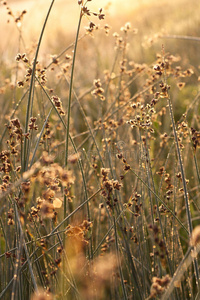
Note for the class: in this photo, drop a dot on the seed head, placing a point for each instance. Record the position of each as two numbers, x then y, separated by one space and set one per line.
195 238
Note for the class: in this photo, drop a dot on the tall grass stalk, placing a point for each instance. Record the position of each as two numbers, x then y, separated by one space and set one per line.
31 92
187 203
71 87
183 266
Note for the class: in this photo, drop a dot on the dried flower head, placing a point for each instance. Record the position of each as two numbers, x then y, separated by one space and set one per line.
159 285
181 85
47 209
54 59
58 104
195 238
74 158
42 295
98 91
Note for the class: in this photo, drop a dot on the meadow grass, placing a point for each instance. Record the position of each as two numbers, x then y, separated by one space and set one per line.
99 161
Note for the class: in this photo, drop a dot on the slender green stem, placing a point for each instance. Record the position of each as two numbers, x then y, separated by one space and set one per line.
152 191
187 203
118 260
71 88
31 91
26 251
39 138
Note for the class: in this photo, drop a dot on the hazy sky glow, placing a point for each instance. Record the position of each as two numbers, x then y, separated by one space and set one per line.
65 14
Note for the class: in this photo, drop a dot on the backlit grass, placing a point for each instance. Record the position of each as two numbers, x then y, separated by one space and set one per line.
99 157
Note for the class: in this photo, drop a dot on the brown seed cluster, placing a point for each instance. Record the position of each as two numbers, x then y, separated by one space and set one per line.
105 247
98 91
134 202
5 162
58 104
17 19
40 72
11 217
195 138
51 177
195 238
79 231
42 294
32 125
161 250
142 116
127 167
108 186
110 126
159 285
15 137
85 11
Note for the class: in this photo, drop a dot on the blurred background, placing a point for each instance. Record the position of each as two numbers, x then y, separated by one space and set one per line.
157 24
151 17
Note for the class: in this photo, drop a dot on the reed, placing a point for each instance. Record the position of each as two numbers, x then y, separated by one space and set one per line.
99 163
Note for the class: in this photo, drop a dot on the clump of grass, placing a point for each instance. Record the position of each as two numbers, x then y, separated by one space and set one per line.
99 171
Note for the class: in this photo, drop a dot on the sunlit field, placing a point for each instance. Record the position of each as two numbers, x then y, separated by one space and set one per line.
99 150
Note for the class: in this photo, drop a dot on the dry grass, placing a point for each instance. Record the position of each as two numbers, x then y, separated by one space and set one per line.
99 156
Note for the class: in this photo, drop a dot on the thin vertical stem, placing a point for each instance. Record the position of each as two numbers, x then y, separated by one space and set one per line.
31 92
